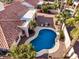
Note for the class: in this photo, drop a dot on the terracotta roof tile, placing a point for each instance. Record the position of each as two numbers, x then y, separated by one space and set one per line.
13 11
11 30
3 42
9 19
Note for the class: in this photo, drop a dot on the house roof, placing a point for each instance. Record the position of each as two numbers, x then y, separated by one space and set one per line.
14 11
10 30
33 2
3 43
9 20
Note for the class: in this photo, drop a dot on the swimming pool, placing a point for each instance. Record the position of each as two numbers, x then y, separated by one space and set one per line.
44 40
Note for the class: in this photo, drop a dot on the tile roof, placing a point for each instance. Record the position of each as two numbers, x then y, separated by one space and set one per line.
3 43
14 11
9 19
32 2
10 30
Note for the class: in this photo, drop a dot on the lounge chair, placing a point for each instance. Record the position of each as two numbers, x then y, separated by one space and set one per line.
46 24
42 25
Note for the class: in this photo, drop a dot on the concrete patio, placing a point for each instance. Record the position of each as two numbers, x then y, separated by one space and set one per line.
59 53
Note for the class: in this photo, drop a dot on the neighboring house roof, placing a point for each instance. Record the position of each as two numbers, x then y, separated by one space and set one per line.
14 11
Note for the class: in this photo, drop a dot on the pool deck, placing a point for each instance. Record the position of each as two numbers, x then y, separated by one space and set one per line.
59 53
42 19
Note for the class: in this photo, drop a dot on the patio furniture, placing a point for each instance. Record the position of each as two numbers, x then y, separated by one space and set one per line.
42 25
46 24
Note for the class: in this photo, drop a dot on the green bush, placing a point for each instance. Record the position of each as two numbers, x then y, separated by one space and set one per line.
69 2
61 34
75 33
22 52
33 24
45 8
70 21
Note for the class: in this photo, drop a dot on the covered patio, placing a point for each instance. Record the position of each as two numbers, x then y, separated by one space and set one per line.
43 19
27 18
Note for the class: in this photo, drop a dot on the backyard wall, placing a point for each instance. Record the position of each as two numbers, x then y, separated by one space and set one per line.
67 38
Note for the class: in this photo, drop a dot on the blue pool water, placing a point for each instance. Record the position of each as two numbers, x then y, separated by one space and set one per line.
44 40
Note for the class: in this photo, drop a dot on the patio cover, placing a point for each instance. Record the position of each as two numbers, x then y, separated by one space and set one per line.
27 17
27 5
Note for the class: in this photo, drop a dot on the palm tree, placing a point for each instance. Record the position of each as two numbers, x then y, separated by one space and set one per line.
22 52
62 16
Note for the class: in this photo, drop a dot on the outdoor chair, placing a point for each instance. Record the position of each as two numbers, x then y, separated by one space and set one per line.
42 25
46 24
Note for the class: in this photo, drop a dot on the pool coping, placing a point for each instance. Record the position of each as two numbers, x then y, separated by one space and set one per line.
43 51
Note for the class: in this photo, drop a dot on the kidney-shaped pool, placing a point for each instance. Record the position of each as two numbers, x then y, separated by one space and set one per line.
44 40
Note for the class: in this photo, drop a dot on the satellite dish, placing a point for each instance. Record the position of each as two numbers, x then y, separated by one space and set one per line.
1 6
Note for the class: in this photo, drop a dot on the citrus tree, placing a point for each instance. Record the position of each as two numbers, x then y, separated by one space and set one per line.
22 52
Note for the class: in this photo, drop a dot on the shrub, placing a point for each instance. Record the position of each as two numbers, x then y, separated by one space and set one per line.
75 33
22 52
70 21
61 34
69 2
45 8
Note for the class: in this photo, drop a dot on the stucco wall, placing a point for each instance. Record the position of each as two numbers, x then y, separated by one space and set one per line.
67 38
